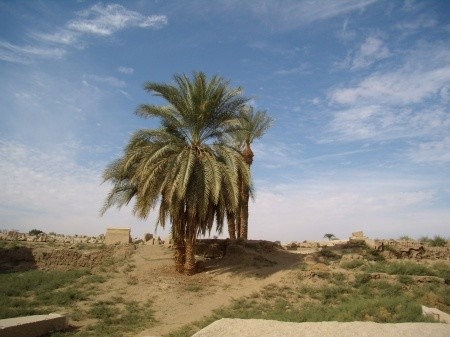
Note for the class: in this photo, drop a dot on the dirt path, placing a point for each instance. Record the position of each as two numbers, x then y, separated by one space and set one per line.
179 300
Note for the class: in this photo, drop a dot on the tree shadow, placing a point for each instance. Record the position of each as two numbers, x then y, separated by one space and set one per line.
252 258
16 259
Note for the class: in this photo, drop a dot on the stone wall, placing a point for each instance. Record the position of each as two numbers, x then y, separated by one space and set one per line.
23 257
51 238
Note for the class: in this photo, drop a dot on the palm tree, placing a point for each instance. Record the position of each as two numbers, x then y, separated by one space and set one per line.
250 126
184 167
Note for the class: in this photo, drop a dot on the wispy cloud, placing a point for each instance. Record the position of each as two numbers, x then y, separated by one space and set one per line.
421 73
105 20
423 21
109 80
25 54
302 69
373 49
126 70
408 101
99 20
432 152
379 122
63 36
403 87
292 14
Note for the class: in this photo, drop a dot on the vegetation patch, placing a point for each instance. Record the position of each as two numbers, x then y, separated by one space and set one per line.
35 292
342 297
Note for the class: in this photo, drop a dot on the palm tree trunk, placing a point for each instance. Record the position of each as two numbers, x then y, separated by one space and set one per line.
245 195
179 254
231 225
189 265
238 221
179 247
238 210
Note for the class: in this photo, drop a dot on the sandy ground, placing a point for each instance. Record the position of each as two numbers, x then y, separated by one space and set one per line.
178 300
256 328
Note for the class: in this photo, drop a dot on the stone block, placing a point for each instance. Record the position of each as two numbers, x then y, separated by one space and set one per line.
32 326
117 236
359 234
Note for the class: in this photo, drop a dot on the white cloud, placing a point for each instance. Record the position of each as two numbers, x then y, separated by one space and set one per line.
421 74
99 19
126 70
381 206
50 191
302 69
105 20
110 80
25 54
409 101
373 49
63 36
378 122
432 152
422 21
403 87
292 14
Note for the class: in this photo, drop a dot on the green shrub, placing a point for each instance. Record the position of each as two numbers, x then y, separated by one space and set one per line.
438 241
35 232
35 292
400 268
405 279
425 240
361 279
328 254
352 264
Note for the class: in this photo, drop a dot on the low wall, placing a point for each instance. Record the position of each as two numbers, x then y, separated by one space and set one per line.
32 326
17 258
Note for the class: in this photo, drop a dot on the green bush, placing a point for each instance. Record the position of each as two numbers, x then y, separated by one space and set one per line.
352 264
28 293
400 268
405 279
361 279
328 254
35 232
438 241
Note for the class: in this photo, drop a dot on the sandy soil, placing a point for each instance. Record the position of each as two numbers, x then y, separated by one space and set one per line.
179 300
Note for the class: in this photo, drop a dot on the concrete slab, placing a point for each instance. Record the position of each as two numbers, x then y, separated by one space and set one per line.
255 328
32 326
436 314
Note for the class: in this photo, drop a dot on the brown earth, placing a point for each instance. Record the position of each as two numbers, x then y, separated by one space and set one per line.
237 270
178 300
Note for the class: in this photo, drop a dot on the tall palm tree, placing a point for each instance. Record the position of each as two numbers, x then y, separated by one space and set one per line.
184 167
250 126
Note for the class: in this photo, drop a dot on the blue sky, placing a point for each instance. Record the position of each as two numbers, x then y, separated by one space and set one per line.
359 90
